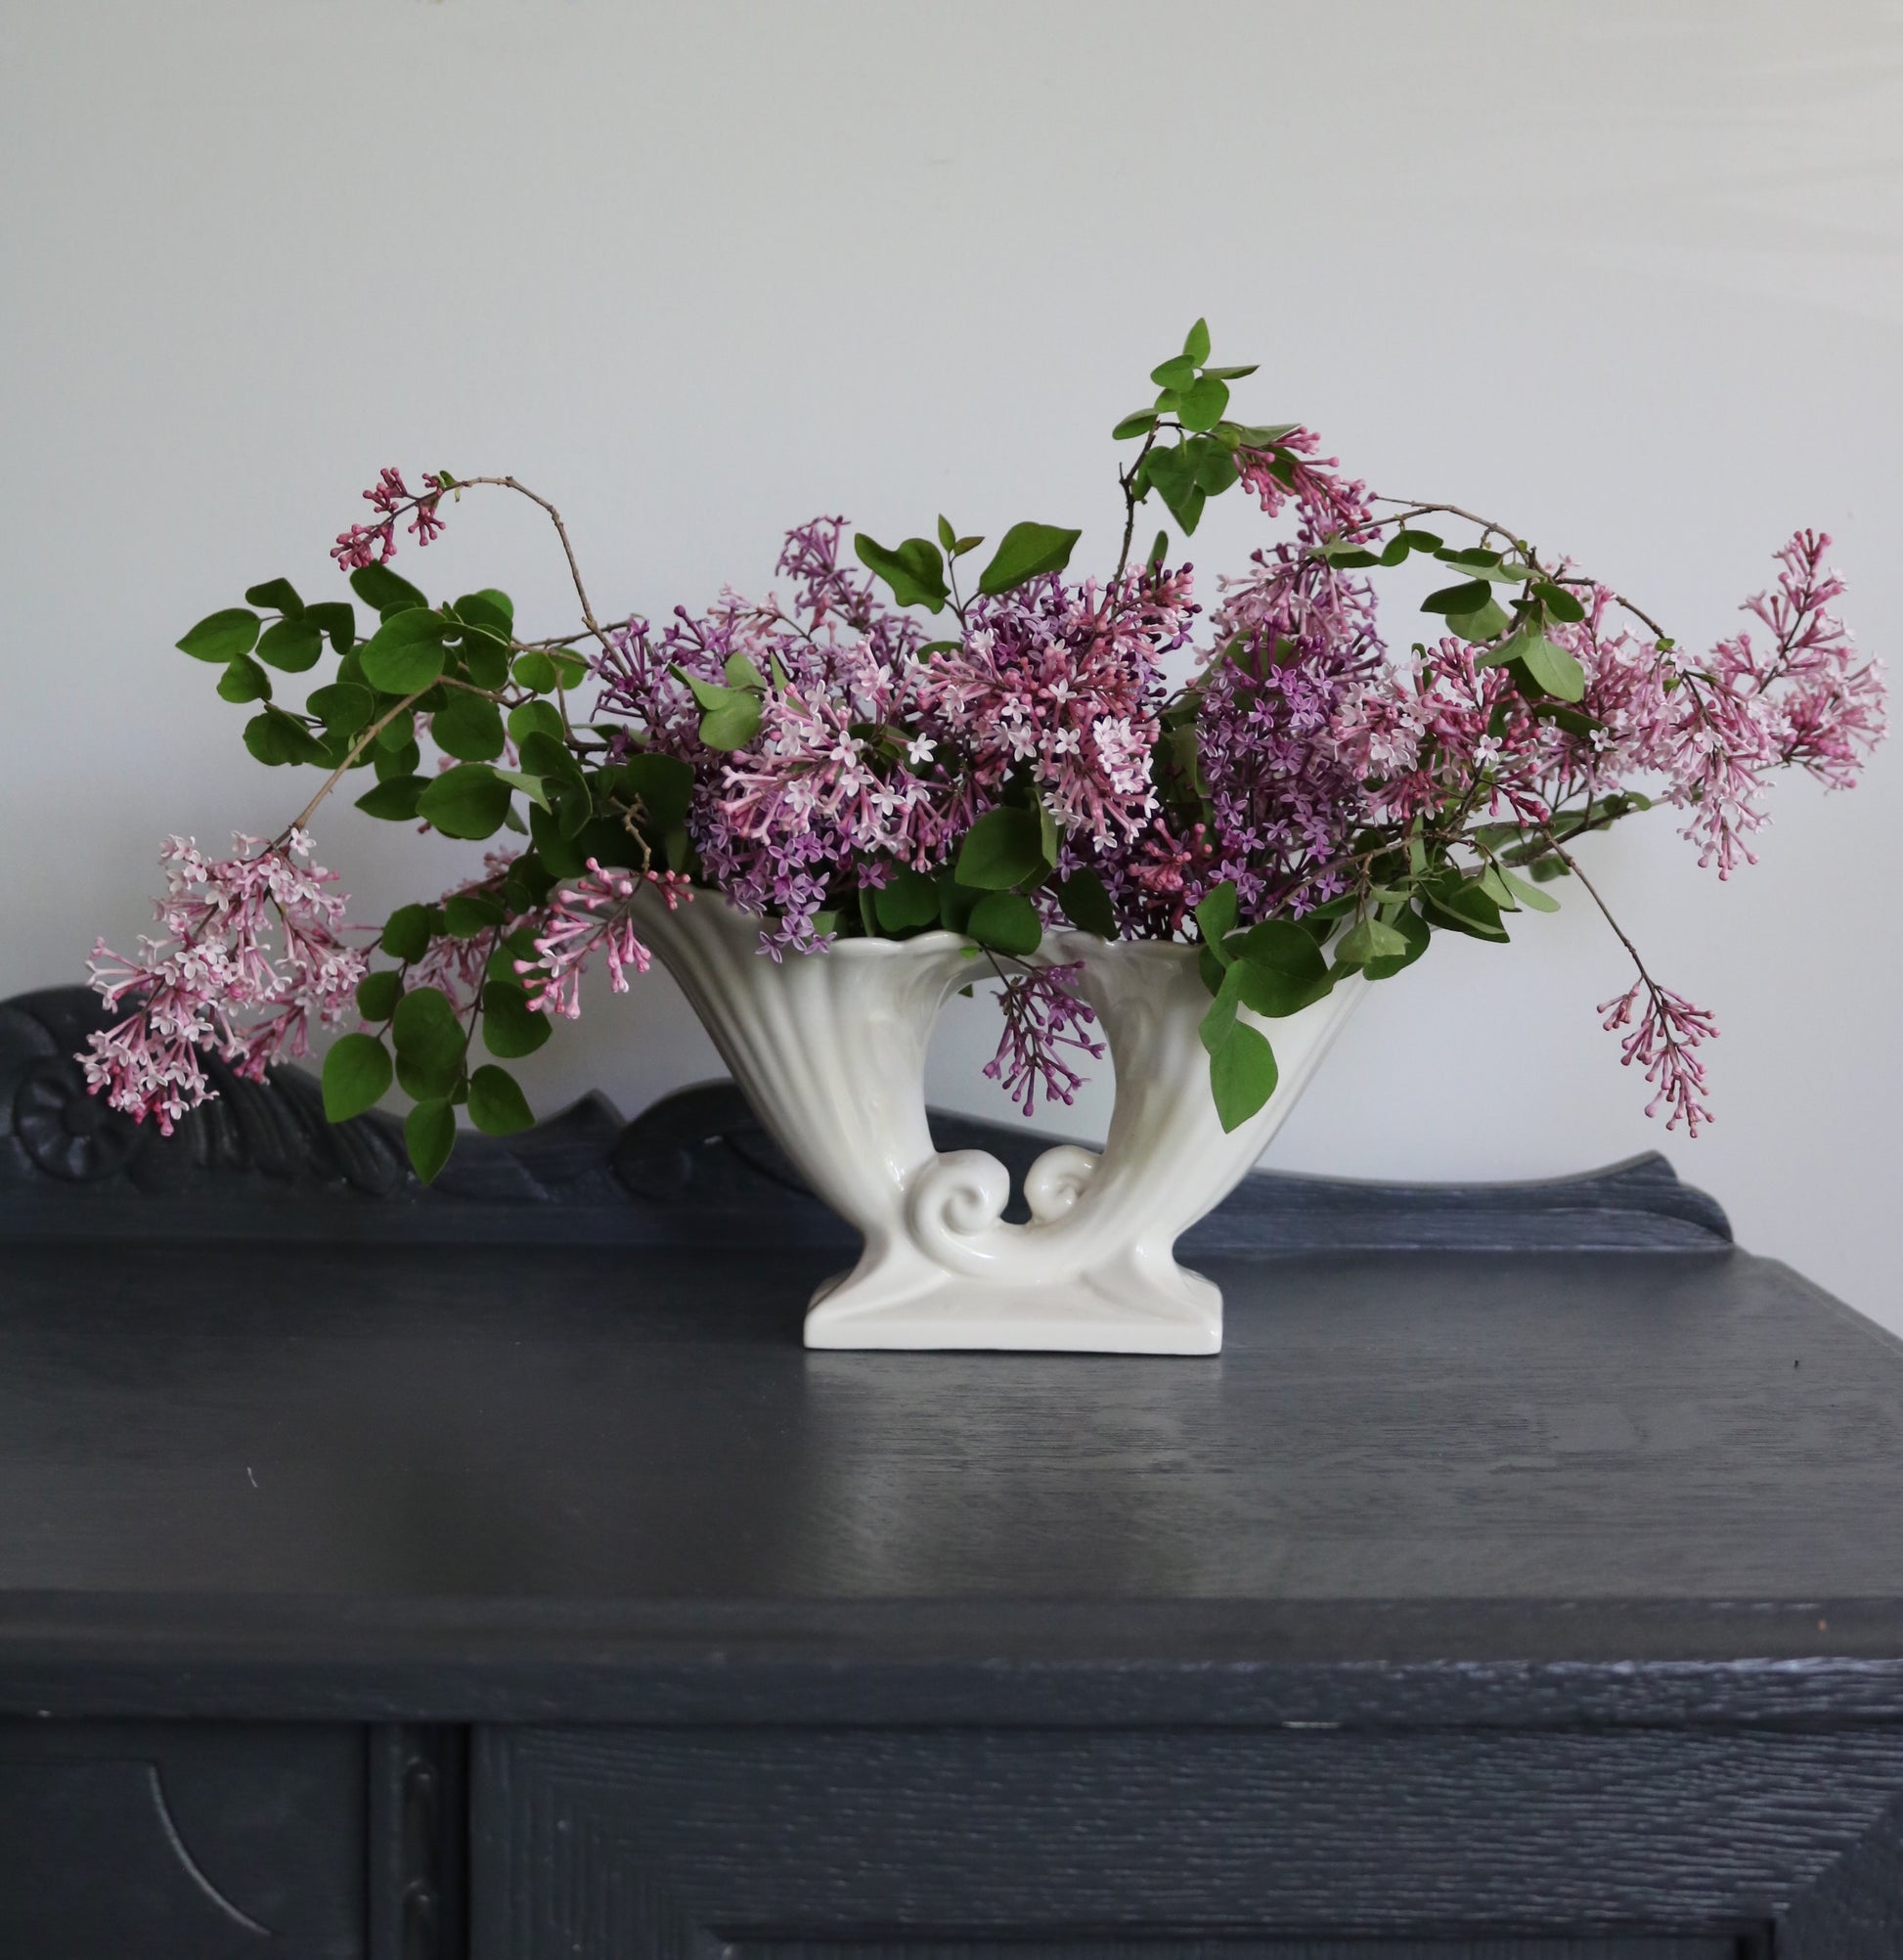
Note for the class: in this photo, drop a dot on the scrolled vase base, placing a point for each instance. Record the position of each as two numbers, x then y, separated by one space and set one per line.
830 1051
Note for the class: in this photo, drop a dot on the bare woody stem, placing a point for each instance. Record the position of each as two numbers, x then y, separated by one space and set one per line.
562 531
337 774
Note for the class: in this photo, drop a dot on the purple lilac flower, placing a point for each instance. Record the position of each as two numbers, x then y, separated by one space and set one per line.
1042 1014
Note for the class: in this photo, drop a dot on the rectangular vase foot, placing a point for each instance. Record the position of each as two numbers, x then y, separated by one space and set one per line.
1075 1317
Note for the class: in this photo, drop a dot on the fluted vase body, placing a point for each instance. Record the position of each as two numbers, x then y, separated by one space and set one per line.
829 1049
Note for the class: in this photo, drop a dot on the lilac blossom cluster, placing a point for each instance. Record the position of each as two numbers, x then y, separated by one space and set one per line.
249 957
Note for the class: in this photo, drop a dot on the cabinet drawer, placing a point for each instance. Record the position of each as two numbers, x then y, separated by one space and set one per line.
1276 1845
181 1840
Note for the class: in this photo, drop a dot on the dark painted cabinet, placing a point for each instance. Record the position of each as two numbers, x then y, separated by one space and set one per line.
489 1575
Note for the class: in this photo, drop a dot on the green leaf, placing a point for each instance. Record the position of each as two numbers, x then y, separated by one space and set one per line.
1216 918
664 785
1467 596
1465 906
395 799
1160 549
905 902
1176 372
1560 602
469 727
492 610
1008 923
291 645
1174 473
429 1038
531 786
338 620
429 1135
390 763
484 657
1003 848
406 655
1205 404
1216 467
1553 669
1220 1022
1232 375
467 801
1418 541
1086 904
1196 343
1281 967
245 681
377 995
496 1105
1526 894
537 718
379 587
510 1027
1027 551
466 914
915 572
1369 939
275 595
356 1072
275 737
729 717
1139 423
946 535
407 933
537 673
1477 628
956 902
1242 1075
344 707
1415 930
221 637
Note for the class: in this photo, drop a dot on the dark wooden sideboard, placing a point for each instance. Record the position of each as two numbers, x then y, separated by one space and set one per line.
490 1572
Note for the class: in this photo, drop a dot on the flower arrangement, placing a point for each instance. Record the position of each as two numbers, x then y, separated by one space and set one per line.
889 748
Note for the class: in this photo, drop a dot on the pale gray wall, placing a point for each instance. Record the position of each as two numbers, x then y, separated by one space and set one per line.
1627 271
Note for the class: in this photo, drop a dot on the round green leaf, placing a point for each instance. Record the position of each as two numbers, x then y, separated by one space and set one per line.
407 933
377 995
291 645
467 801
1004 848
467 913
467 727
344 708
245 681
406 655
1008 923
275 595
395 799
356 1072
275 737
510 1027
222 637
381 587
430 1136
907 901
496 1105
536 672
430 1039
1086 905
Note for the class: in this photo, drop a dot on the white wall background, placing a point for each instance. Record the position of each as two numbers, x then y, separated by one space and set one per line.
1629 272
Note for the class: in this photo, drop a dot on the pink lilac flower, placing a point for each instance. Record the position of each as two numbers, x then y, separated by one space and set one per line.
252 935
1042 1014
375 543
1064 685
1330 505
1662 1041
594 914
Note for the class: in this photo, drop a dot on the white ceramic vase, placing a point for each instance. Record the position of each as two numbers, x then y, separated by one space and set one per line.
829 1049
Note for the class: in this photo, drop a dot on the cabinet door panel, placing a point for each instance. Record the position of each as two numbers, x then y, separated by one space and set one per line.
181 1842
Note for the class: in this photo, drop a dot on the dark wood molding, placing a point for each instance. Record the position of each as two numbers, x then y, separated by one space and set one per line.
261 1159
